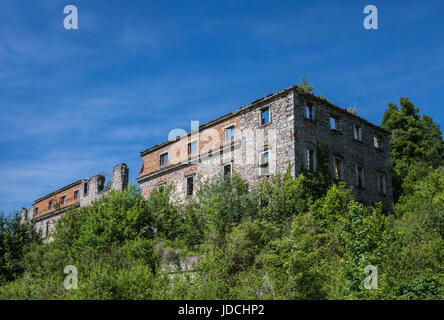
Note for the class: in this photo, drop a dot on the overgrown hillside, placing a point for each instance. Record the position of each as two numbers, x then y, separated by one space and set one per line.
286 238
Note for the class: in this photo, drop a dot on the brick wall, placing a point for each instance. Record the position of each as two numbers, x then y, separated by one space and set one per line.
286 138
44 207
251 139
96 188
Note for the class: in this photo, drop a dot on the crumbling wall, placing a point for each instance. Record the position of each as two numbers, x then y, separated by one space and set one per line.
92 189
341 142
287 137
251 139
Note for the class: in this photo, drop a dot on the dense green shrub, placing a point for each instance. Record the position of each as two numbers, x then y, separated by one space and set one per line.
15 241
278 240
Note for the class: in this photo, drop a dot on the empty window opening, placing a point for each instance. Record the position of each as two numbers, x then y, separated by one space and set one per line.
229 133
264 163
377 141
101 184
333 123
76 194
357 132
310 160
265 116
36 211
85 189
164 159
381 183
338 170
62 200
190 185
50 204
309 112
228 169
161 187
192 148
360 178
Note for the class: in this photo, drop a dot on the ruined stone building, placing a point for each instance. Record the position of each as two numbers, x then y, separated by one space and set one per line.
46 210
284 129
287 128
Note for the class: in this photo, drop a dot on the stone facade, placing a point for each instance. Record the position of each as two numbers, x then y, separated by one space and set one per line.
298 125
47 210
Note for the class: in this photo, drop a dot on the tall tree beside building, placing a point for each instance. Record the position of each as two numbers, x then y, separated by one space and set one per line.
416 144
15 241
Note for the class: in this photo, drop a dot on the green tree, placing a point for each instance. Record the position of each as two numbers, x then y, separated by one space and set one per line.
281 197
224 202
416 144
304 87
352 110
414 259
16 239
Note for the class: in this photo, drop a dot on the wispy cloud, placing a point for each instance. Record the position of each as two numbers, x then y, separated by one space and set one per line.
73 103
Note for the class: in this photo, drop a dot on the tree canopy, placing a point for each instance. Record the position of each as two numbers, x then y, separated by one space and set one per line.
416 144
288 237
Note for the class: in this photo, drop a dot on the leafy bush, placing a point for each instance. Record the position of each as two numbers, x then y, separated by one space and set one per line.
286 238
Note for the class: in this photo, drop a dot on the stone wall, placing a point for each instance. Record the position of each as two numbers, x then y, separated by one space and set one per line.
90 190
286 137
119 180
340 142
251 139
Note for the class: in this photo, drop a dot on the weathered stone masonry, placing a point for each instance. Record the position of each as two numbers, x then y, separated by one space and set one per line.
297 125
46 211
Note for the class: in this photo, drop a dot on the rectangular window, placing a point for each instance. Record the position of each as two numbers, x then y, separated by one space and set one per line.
50 204
46 228
360 179
338 170
333 123
264 163
265 116
62 200
161 187
357 133
192 148
76 194
229 133
381 183
228 169
309 111
85 189
377 142
190 185
163 159
310 160
36 212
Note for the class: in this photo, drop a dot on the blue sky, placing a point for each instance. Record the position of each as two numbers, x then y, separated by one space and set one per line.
74 102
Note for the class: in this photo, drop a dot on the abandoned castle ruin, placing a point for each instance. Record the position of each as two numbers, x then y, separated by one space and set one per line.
48 209
288 128
285 129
